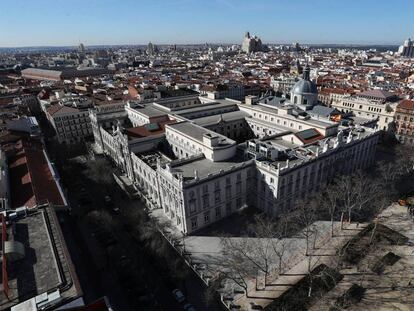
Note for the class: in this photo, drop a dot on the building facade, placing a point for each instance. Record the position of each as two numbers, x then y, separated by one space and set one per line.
206 176
407 49
404 122
374 104
252 44
71 125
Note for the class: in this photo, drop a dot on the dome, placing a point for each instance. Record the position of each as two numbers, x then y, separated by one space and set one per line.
304 87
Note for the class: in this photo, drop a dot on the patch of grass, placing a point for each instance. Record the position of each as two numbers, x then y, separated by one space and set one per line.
352 296
388 260
297 298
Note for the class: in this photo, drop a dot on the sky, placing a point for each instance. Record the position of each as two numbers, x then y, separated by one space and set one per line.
104 22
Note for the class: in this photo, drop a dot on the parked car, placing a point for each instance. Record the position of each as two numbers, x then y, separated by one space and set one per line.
115 210
110 204
108 200
178 295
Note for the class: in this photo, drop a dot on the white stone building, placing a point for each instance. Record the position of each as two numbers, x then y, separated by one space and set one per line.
373 104
193 169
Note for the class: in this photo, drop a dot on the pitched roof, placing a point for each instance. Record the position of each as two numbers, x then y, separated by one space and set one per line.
377 93
58 109
31 180
324 111
406 104
148 129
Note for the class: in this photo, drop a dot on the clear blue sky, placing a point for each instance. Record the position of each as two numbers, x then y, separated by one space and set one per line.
93 22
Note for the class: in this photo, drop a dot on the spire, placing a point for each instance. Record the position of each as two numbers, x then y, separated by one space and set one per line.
306 73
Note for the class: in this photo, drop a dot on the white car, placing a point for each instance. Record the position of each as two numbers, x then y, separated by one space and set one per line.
178 295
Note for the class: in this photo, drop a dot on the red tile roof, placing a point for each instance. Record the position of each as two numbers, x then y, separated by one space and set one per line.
145 130
406 104
58 109
31 181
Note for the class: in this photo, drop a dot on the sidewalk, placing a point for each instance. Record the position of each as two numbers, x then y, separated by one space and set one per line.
322 254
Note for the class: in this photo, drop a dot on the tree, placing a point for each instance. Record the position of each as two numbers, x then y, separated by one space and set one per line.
100 171
367 192
232 267
405 159
255 254
179 271
348 197
275 232
329 201
305 214
150 234
215 285
100 219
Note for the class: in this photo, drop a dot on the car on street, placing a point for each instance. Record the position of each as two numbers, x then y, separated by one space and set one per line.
108 201
178 295
110 204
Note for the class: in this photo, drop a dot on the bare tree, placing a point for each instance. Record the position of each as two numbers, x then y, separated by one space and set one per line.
367 191
389 172
405 159
275 231
329 200
215 285
306 213
255 255
348 198
100 218
232 267
100 171
150 233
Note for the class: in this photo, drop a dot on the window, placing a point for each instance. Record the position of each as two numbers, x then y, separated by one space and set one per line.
238 188
194 223
217 196
206 201
192 202
206 217
238 203
228 192
228 208
217 185
218 211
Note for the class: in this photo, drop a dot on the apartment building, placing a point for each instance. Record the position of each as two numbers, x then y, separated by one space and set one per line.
404 121
71 124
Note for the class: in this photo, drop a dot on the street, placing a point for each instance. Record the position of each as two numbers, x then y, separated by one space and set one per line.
96 266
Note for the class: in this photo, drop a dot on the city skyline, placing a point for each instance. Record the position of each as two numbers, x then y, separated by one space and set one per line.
107 22
206 155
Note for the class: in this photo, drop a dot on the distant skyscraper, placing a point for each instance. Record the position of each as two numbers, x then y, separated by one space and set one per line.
296 47
152 49
252 44
407 49
81 48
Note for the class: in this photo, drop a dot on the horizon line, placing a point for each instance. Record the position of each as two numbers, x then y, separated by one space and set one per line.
187 44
